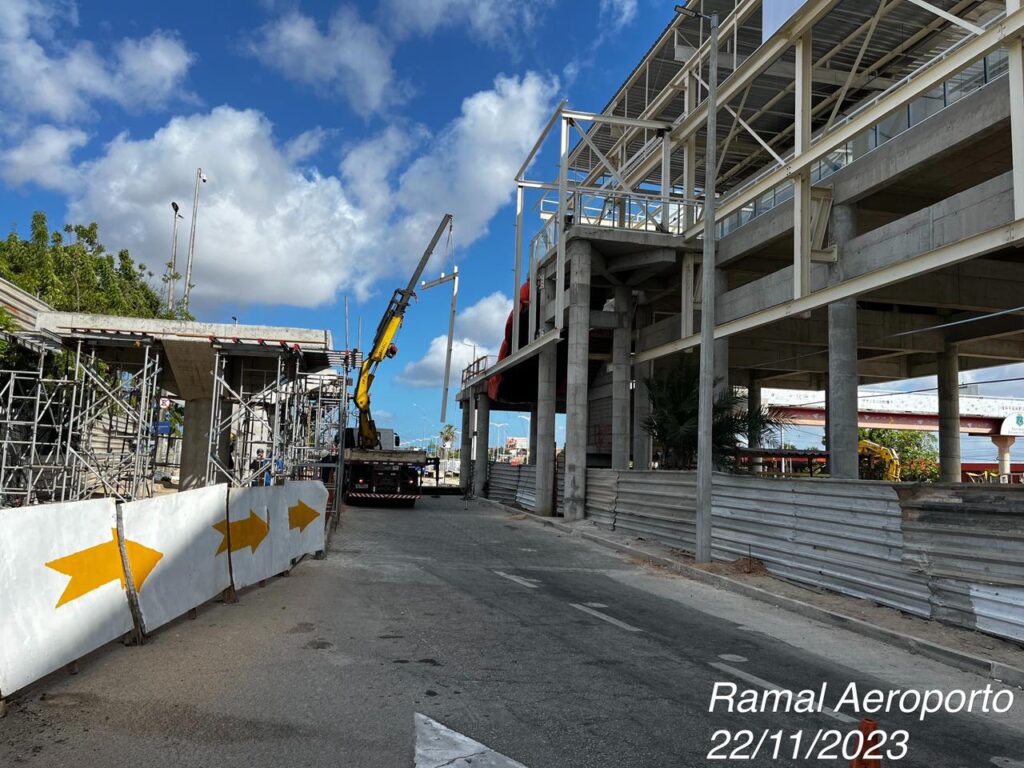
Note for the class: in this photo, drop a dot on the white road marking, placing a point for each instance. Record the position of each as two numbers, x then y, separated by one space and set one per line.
754 680
595 605
528 583
733 658
605 617
438 745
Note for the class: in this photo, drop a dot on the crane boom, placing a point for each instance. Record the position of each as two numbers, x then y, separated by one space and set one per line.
383 346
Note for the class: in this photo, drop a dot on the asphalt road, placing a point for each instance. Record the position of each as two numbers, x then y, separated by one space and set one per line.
543 647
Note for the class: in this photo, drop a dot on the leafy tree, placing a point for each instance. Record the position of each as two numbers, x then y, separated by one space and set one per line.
918 451
674 411
72 271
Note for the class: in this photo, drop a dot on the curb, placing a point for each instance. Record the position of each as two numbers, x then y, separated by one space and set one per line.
993 670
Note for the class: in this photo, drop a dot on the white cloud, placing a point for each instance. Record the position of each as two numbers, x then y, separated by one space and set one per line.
266 232
44 157
472 164
618 13
352 58
479 330
494 20
38 76
271 232
1008 380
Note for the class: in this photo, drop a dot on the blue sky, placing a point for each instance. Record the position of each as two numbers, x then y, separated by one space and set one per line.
334 136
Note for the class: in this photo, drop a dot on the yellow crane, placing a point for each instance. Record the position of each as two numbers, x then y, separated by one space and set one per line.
383 342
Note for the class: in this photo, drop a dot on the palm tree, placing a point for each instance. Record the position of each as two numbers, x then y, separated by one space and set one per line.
447 438
673 419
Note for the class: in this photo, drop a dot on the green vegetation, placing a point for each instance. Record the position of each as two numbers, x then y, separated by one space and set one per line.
73 272
918 451
673 420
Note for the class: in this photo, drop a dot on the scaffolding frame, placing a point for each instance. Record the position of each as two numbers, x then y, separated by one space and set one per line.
89 432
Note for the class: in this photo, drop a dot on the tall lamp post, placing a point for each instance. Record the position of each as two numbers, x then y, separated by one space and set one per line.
200 178
705 420
174 257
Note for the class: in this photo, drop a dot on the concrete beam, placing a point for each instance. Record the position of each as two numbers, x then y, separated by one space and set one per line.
184 330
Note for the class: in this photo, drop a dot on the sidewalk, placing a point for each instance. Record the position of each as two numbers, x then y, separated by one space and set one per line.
976 652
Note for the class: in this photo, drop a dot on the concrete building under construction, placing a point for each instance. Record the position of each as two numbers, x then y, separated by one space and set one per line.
868 179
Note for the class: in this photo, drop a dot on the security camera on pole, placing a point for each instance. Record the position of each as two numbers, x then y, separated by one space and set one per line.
200 178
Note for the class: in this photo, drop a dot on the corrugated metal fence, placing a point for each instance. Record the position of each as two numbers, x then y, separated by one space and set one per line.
962 560
516 484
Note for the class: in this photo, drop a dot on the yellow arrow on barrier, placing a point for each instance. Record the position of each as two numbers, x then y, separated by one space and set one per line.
93 567
249 532
301 515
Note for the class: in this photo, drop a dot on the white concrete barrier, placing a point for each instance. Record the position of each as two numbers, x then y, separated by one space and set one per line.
256 534
63 586
305 505
186 527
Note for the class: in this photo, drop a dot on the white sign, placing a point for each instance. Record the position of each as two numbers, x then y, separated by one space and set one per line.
775 13
1013 425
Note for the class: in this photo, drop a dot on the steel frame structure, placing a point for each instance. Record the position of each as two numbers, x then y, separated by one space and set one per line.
647 145
81 435
248 414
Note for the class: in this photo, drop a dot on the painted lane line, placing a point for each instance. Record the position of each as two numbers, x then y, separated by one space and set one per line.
517 579
734 658
761 683
605 617
595 605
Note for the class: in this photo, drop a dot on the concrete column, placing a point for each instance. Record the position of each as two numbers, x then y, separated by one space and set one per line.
195 444
949 415
547 379
753 406
721 347
842 398
1004 443
466 445
547 364
642 448
843 435
578 381
533 435
621 378
483 432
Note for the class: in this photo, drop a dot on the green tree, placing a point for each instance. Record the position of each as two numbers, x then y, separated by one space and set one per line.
918 451
72 271
673 420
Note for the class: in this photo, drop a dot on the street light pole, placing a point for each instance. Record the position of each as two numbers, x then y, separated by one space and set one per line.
200 178
171 280
705 414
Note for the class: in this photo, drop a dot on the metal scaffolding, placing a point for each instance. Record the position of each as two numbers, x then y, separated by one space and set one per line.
89 432
271 420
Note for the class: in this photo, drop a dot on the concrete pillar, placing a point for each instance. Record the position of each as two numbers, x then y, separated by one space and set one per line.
843 435
195 444
722 385
466 445
842 397
949 415
1004 443
547 379
533 435
753 406
642 448
578 380
483 436
621 378
547 364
